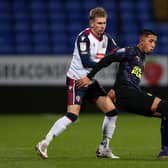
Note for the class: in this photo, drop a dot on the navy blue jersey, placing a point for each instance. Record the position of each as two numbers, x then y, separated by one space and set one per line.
130 69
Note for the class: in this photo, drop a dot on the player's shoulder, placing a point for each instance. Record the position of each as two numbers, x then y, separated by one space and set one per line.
84 32
83 35
110 39
108 36
128 50
131 49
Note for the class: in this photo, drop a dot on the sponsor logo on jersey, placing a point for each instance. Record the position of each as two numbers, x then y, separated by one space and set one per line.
82 46
137 57
137 72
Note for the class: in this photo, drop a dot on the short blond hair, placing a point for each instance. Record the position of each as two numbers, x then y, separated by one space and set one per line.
97 12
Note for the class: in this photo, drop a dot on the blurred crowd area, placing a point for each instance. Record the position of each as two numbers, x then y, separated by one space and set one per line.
30 27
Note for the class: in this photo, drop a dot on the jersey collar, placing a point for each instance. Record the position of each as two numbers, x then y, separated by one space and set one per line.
141 54
98 38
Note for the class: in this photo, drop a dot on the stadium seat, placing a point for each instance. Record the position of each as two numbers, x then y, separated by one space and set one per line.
24 43
128 6
164 50
21 16
131 38
55 17
24 48
6 43
21 27
150 25
4 5
22 37
75 16
38 5
7 49
42 48
75 27
56 6
5 27
61 49
57 38
143 5
75 6
163 39
61 21
163 28
40 27
144 17
109 5
37 17
89 4
5 17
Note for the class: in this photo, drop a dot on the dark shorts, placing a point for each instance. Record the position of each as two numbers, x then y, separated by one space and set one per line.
134 100
78 95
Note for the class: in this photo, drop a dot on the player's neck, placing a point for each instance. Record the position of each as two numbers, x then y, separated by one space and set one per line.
97 35
140 48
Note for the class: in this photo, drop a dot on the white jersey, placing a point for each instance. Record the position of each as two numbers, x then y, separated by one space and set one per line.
87 52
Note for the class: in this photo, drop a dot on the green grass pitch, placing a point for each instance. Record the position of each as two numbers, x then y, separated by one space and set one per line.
136 141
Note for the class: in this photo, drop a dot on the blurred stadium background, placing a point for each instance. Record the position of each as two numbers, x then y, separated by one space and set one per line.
36 44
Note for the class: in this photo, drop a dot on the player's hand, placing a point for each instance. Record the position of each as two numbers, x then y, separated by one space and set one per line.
83 82
112 95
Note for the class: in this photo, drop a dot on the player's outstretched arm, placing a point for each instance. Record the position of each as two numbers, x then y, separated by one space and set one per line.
103 63
84 82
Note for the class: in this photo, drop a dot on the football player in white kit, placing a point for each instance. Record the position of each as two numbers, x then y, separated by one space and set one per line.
91 45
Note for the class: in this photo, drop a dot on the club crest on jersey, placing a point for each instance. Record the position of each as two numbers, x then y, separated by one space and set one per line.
78 98
70 88
82 46
138 59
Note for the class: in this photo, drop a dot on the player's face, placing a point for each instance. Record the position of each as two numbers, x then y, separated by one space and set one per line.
98 25
148 43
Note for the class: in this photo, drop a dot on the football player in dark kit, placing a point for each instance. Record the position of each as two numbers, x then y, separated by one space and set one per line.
129 95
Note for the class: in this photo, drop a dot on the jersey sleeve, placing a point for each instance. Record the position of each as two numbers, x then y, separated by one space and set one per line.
83 45
123 54
104 62
112 46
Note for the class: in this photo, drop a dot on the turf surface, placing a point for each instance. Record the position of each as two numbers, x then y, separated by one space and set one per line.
136 140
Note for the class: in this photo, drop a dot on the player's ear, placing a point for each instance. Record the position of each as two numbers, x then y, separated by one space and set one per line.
91 23
141 39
